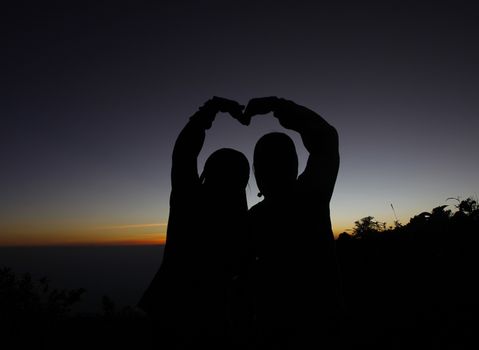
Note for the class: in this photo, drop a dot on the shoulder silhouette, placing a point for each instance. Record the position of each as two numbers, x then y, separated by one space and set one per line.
192 296
296 278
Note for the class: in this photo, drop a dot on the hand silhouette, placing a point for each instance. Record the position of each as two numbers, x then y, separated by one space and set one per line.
284 110
210 108
261 105
228 106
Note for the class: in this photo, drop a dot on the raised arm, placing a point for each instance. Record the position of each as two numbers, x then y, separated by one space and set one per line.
319 138
184 171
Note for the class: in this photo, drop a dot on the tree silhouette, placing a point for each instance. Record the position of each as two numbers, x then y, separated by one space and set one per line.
467 207
367 226
22 296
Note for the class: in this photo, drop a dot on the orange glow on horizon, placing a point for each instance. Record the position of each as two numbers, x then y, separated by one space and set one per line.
126 234
30 242
133 234
120 227
120 242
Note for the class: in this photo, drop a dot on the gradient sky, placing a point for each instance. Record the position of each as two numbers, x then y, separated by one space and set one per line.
93 99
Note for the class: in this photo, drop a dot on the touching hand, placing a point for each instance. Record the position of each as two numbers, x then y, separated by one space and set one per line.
261 105
208 111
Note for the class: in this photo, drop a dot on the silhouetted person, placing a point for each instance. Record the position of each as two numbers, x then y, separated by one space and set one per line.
193 297
296 286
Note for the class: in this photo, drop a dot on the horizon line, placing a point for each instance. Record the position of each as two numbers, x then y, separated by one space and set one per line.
66 245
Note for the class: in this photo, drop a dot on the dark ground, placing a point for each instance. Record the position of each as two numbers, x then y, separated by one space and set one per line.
410 287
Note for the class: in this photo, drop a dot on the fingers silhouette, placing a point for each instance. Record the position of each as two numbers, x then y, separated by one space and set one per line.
255 106
261 105
225 105
208 111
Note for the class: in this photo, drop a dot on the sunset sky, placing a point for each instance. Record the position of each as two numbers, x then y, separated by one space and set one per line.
93 98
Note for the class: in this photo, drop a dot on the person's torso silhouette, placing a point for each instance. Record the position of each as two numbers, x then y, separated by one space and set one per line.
193 295
296 286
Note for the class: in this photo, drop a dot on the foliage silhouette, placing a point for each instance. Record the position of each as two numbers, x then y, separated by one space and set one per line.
22 295
408 286
415 283
368 226
31 307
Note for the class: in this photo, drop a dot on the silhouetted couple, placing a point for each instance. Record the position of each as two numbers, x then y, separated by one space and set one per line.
266 278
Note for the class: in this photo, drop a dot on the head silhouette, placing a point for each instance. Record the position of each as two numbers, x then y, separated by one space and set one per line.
275 164
226 170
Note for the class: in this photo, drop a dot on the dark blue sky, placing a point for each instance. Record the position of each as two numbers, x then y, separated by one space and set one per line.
94 97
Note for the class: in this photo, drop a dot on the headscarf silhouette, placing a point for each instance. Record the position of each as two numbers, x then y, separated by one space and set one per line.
193 295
